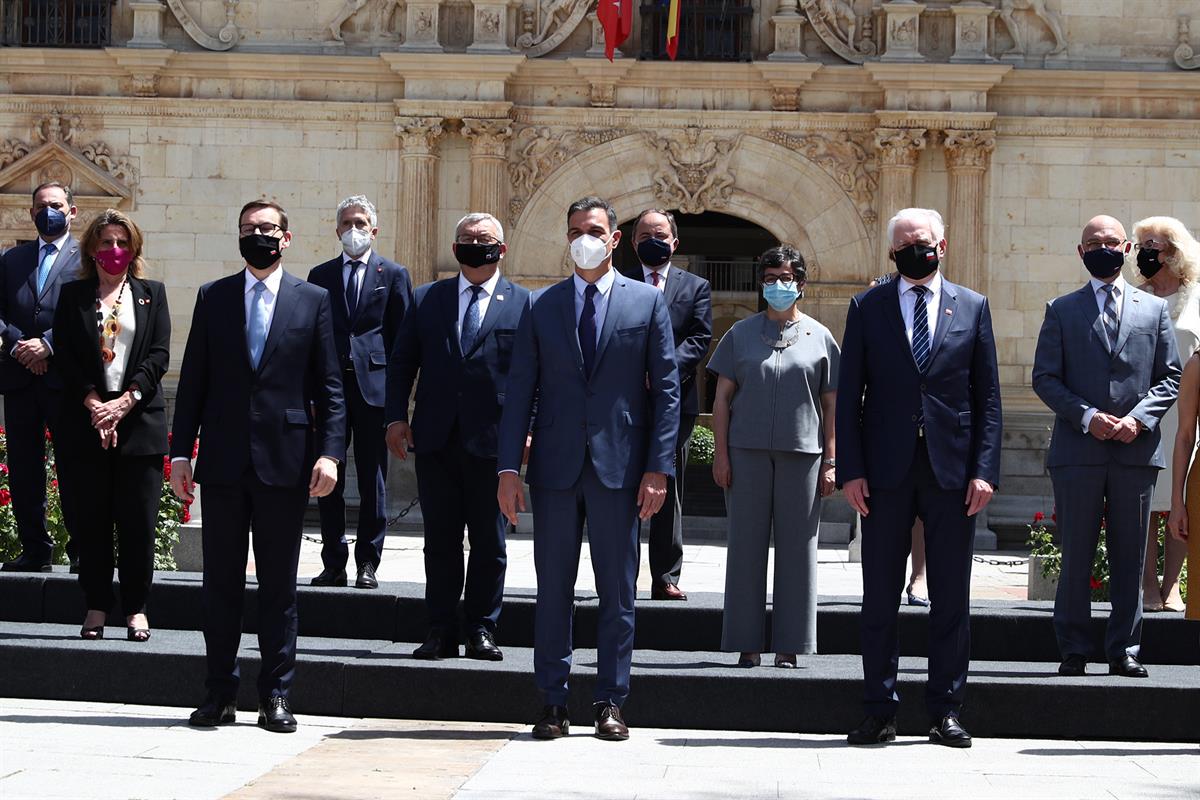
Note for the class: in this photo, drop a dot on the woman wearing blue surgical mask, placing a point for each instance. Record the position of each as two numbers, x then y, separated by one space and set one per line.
774 431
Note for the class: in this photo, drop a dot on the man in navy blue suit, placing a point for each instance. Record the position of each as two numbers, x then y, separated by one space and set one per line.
597 354
689 302
459 337
30 277
370 296
261 385
918 435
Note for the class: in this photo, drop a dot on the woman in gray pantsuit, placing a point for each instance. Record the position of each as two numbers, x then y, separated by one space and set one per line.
773 425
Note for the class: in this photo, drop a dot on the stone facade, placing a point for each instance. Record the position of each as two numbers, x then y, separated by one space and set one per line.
1019 119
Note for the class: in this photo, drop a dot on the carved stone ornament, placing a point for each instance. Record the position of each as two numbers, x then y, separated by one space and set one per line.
968 149
380 23
1041 9
488 137
837 25
557 19
225 39
899 147
693 173
419 135
1185 56
536 151
846 157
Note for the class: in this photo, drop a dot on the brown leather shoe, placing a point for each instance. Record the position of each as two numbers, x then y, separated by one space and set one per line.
666 591
609 725
554 723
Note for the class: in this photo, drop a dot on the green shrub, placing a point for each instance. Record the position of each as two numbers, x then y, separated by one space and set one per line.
702 447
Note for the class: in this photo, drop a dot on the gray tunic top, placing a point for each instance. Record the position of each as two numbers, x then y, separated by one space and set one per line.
780 377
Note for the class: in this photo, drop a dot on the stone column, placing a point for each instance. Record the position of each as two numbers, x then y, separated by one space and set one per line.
967 157
899 149
489 173
789 33
416 219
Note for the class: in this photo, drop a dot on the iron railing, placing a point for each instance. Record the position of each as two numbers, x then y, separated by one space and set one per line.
727 275
56 23
709 30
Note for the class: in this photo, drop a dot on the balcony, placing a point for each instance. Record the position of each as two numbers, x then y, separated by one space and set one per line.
55 23
727 275
709 30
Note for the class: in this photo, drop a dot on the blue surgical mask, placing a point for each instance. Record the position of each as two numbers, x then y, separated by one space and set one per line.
50 221
781 296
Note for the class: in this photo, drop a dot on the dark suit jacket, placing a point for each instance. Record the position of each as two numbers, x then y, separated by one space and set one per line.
466 389
24 314
881 393
277 419
624 416
143 431
366 341
689 303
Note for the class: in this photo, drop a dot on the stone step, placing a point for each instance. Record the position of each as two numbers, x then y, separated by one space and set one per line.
698 690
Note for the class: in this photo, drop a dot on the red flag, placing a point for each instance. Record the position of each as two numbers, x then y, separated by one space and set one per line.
616 17
673 29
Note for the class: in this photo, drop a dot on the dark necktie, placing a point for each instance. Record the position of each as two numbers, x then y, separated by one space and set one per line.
587 329
920 334
471 321
654 277
1111 321
352 288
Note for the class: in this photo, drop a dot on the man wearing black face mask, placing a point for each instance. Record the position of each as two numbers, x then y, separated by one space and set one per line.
459 337
918 436
689 302
30 277
1108 396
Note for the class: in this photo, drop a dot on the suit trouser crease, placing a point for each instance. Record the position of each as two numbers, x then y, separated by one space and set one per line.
665 539
612 524
1083 496
365 431
27 414
949 543
773 496
458 489
273 518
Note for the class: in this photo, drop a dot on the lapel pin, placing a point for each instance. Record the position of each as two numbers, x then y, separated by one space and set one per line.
500 297
949 312
379 269
142 301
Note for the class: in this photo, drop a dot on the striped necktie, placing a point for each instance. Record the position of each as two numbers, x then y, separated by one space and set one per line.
1111 320
920 331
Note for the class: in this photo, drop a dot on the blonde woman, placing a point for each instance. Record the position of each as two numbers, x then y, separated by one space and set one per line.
1168 259
1185 483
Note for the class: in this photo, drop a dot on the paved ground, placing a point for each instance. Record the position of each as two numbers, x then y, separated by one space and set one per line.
96 751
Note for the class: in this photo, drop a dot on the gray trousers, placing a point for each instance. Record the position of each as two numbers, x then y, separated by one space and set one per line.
1080 497
772 491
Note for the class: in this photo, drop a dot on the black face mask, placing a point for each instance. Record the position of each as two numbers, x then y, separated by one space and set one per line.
917 261
50 221
476 255
654 252
1148 263
260 250
1103 263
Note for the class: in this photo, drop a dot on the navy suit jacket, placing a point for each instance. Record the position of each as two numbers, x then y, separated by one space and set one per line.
277 419
24 314
881 393
366 341
625 415
455 387
689 303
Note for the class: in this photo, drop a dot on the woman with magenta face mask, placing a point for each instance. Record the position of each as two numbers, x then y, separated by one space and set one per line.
112 333
774 456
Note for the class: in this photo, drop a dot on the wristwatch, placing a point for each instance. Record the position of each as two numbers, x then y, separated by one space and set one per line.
137 394
830 461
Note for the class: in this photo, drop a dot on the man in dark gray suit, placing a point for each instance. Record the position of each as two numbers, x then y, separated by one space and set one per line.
1108 397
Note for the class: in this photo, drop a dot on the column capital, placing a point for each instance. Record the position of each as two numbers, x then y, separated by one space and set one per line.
488 137
970 149
419 135
899 147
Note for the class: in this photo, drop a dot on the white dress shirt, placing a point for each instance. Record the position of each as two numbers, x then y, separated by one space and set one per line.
362 271
1119 289
662 275
272 282
599 302
464 299
908 303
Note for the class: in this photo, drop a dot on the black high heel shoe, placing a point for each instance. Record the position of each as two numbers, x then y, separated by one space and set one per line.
93 632
136 634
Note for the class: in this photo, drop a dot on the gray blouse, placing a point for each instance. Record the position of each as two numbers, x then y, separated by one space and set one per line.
780 377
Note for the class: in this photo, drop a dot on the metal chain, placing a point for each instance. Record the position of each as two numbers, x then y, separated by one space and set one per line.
1000 562
391 523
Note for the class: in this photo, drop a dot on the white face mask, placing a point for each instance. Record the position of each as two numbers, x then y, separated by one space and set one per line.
588 252
355 242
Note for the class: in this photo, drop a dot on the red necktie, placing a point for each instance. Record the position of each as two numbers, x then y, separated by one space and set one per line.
654 278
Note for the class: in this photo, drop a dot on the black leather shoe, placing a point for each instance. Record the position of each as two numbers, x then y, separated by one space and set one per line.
23 564
275 716
74 568
213 712
366 577
438 645
873 730
554 723
609 725
329 577
948 732
482 646
1073 666
1129 667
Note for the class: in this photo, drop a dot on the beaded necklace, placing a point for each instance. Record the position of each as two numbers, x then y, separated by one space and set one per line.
110 327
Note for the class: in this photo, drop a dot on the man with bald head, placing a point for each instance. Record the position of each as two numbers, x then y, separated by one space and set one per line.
1104 456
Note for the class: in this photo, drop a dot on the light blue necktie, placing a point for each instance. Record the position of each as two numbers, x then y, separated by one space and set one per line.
44 265
256 325
471 321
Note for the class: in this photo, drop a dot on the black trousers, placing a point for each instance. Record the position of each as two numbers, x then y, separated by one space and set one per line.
666 527
949 543
456 489
275 517
364 428
27 414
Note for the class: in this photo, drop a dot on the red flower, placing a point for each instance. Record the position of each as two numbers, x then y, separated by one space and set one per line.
1095 584
186 516
1054 517
47 434
196 448
1038 517
166 470
5 497
54 483
3 469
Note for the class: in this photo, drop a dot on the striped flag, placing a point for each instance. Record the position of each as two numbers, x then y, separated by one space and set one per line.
616 17
673 28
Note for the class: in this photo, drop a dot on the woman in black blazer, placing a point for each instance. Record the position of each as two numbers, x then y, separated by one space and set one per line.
112 334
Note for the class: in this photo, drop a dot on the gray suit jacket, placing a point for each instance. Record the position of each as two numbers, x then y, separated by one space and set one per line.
1075 369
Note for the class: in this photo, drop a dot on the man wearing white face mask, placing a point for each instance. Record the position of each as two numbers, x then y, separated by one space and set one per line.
598 353
370 298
